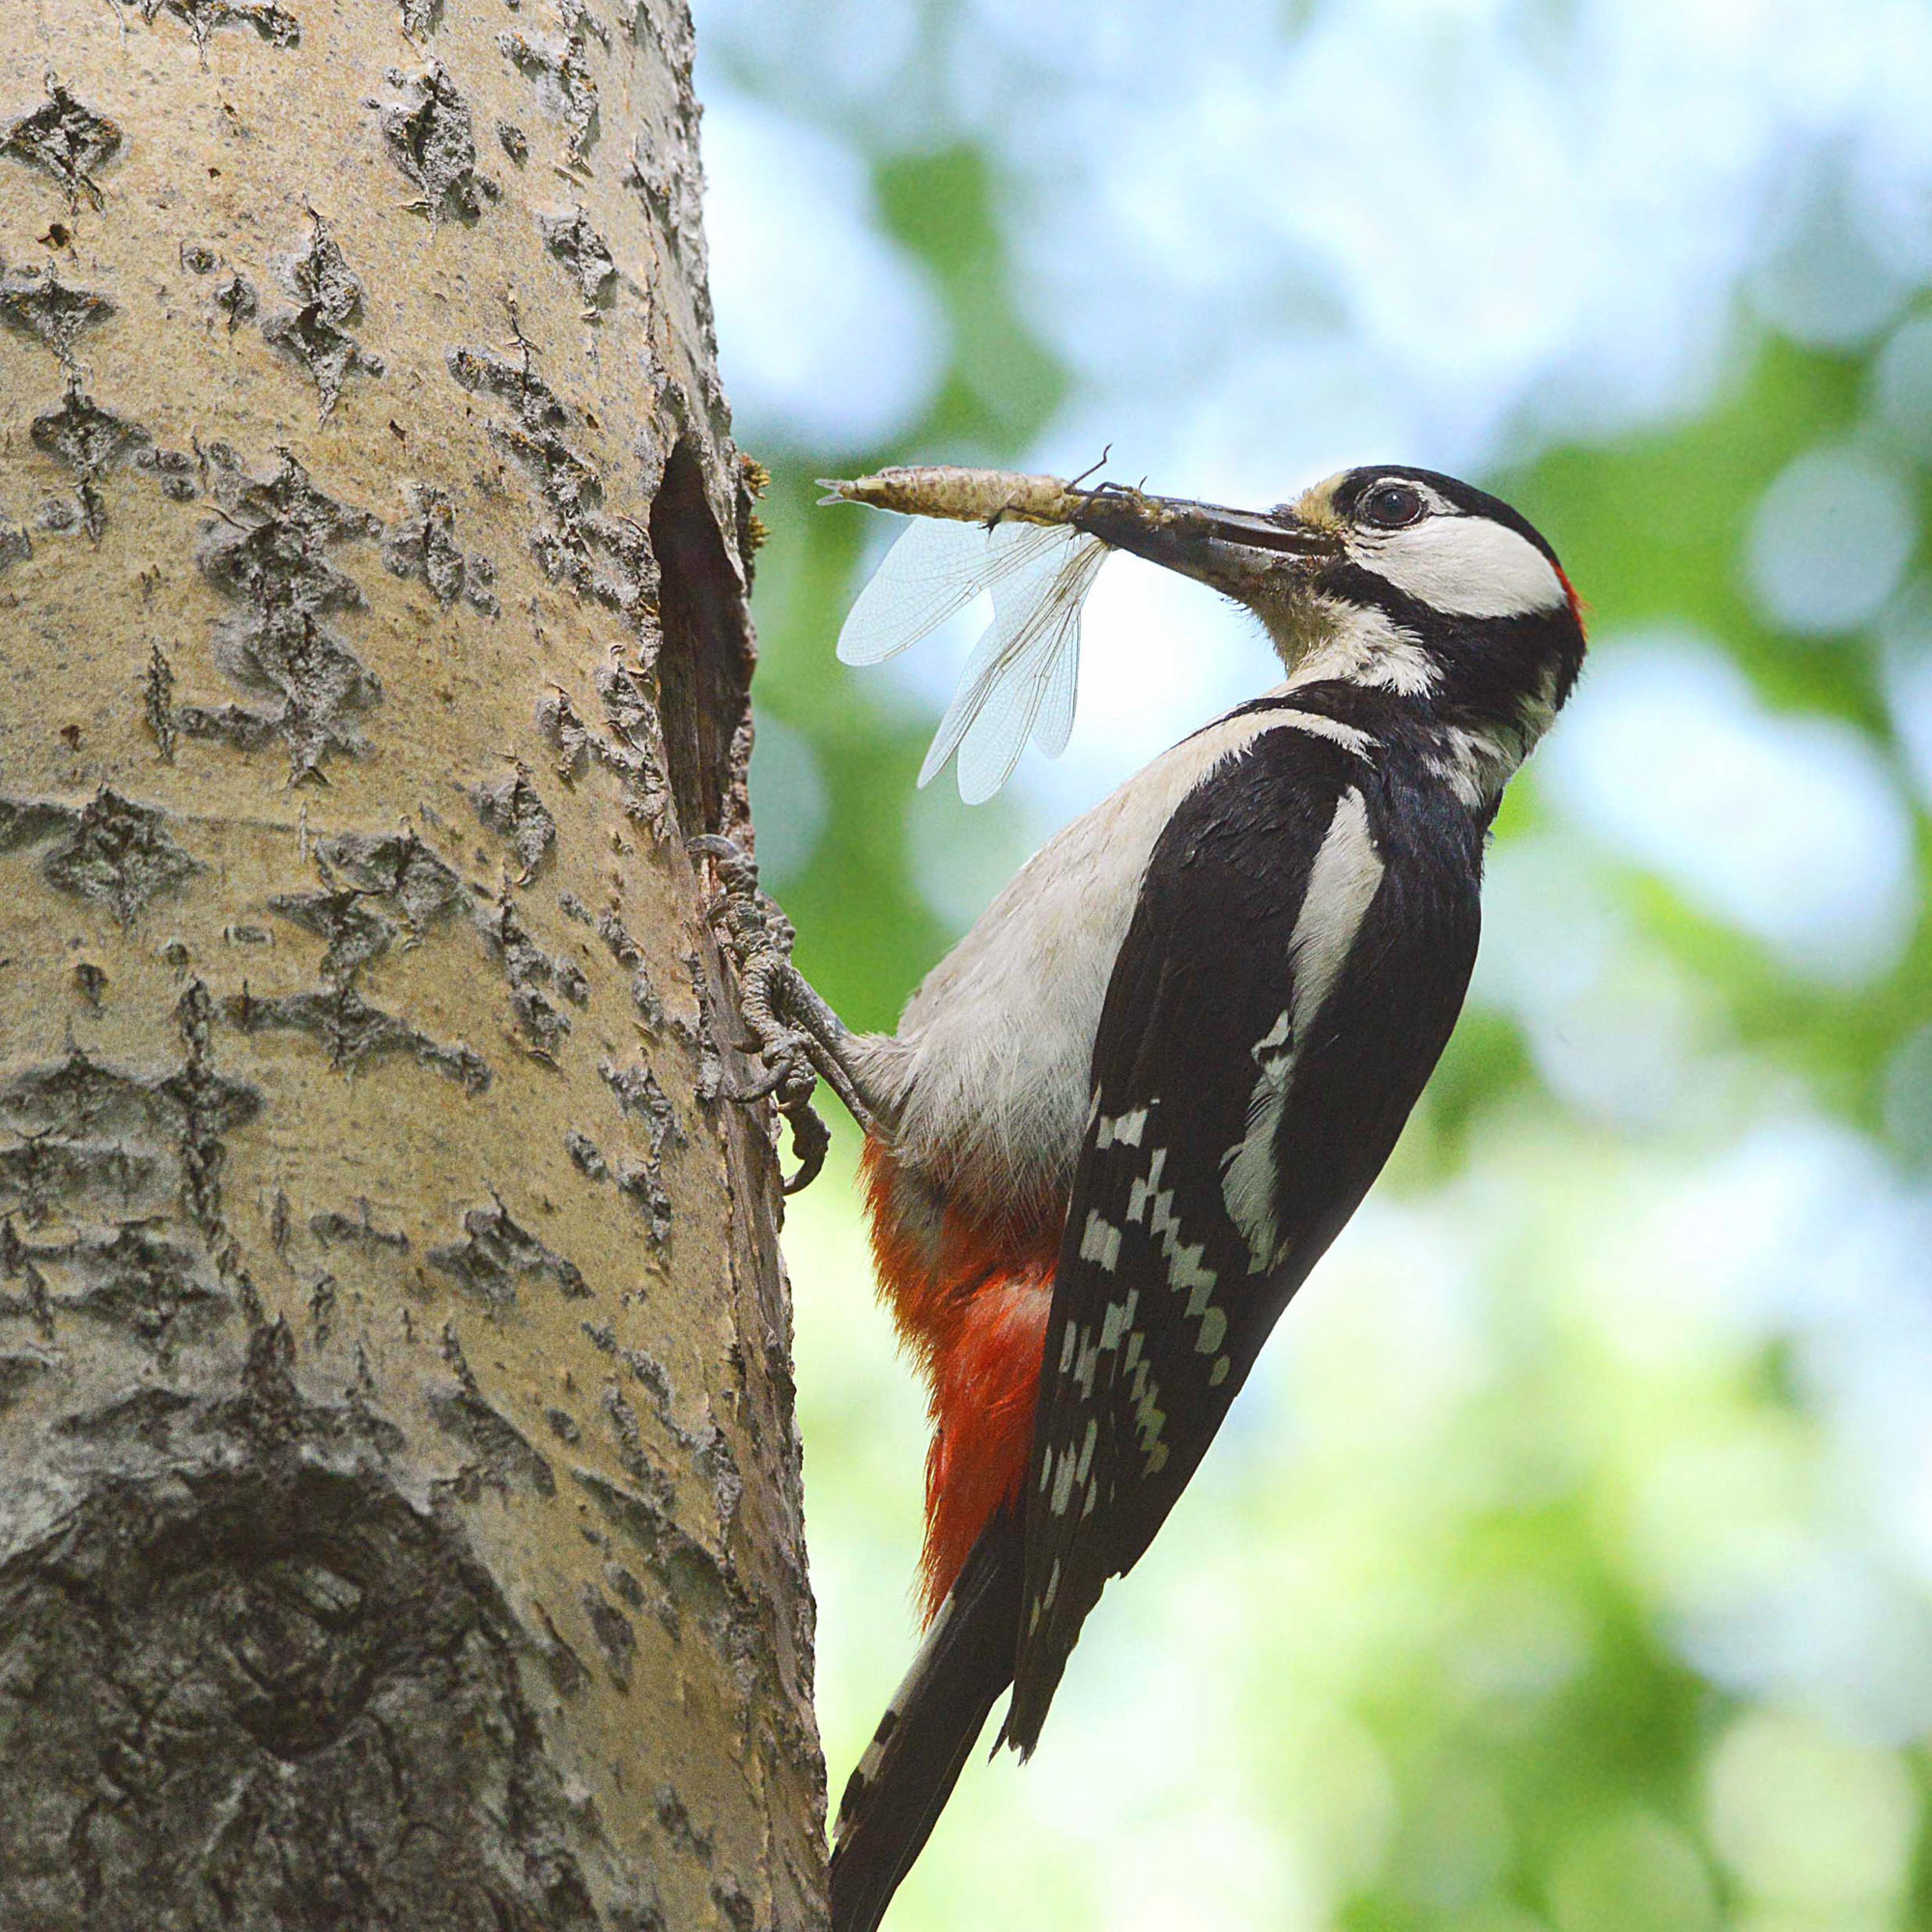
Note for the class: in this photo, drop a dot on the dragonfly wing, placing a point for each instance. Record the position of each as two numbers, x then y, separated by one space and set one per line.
930 574
975 683
1034 690
994 740
1054 725
1027 657
1055 722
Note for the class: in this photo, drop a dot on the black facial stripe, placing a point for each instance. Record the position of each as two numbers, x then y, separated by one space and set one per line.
1490 663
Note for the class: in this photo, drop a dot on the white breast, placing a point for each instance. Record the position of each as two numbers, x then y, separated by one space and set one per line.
996 1047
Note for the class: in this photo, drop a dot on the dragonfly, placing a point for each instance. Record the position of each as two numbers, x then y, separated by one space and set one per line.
1036 544
973 530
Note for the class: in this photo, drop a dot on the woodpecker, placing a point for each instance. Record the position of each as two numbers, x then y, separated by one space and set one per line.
1124 1117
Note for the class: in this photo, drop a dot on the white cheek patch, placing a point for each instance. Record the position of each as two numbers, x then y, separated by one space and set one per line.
1465 567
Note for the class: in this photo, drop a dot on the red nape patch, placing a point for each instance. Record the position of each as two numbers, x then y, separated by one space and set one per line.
971 1300
1576 606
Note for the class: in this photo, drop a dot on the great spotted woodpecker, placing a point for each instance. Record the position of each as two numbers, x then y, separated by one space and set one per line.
1126 1116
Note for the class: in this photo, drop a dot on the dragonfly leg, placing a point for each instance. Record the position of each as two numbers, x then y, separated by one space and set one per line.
794 1033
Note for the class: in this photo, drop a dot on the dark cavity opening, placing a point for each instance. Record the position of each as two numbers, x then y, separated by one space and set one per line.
705 674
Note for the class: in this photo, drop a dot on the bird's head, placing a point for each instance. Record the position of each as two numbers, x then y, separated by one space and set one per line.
1399 580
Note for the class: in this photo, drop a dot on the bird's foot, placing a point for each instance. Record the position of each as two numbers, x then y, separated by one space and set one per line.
796 1036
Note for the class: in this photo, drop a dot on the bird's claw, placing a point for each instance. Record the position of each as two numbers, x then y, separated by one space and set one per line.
811 1138
759 937
788 1073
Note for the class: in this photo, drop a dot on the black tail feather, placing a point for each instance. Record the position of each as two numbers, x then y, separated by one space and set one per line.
895 1798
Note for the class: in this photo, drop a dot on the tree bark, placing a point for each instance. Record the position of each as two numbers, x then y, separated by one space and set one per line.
399 1492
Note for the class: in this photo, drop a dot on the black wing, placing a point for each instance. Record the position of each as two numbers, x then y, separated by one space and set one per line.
1298 956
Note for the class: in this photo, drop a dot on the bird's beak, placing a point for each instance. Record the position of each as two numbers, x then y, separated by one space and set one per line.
1235 551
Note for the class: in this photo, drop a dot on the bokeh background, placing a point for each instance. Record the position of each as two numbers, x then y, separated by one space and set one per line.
1567 1565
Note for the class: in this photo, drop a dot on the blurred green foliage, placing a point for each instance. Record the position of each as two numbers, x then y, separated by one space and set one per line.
1445 1638
1654 527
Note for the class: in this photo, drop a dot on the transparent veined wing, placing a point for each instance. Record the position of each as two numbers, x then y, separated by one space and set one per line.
1021 679
931 574
1054 724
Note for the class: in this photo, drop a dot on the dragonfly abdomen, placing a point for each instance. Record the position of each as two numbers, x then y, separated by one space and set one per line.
965 495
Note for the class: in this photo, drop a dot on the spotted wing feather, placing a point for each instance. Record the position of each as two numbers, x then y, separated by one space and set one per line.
1160 1305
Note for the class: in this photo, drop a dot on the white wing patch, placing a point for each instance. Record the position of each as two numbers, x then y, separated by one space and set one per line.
1022 677
998 1039
1342 883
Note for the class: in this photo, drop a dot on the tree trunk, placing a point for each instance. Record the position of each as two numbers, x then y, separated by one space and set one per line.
399 1492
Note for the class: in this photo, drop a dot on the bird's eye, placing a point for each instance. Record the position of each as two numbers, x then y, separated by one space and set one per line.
1392 506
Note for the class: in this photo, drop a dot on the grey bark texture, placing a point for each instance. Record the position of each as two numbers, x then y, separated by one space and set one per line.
399 1518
